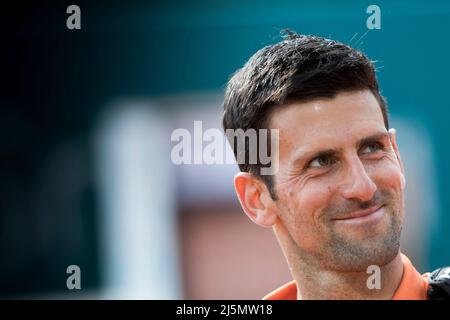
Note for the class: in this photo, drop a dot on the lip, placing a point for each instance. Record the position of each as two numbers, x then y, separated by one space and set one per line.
359 215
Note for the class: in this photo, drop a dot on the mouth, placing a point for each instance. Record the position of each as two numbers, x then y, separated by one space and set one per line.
362 215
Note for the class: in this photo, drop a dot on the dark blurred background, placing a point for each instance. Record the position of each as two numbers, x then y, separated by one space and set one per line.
86 118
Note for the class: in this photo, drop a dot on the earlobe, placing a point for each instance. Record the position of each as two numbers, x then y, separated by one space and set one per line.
252 194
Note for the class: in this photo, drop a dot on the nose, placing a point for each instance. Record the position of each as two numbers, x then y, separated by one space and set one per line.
357 184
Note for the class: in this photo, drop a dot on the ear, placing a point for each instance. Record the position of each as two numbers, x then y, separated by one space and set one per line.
255 199
393 138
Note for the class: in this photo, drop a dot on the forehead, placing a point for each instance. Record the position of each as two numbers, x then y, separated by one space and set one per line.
327 123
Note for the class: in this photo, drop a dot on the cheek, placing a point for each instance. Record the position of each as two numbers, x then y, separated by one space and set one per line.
388 175
302 209
316 196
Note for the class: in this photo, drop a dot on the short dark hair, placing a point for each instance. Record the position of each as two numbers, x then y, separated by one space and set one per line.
300 68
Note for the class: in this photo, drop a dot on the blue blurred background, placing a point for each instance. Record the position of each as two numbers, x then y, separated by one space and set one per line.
86 118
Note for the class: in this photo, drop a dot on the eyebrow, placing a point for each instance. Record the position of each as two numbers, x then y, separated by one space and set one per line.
303 155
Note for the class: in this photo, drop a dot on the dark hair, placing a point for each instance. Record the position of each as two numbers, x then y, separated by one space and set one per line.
300 68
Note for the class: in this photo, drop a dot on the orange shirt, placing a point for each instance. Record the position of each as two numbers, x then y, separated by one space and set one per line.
413 286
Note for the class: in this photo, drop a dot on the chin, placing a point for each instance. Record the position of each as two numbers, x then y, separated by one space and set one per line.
357 256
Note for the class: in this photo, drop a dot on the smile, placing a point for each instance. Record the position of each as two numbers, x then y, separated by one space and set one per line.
366 215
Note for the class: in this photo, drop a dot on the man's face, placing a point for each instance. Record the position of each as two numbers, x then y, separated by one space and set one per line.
340 181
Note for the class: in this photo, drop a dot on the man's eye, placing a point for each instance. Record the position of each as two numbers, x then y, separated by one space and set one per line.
372 147
320 162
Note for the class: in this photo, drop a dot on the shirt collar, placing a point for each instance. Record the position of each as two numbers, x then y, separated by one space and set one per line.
413 286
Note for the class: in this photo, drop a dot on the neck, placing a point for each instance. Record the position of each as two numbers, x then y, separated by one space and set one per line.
320 284
316 283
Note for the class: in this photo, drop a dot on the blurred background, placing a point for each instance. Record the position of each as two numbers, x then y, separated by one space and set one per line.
86 118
